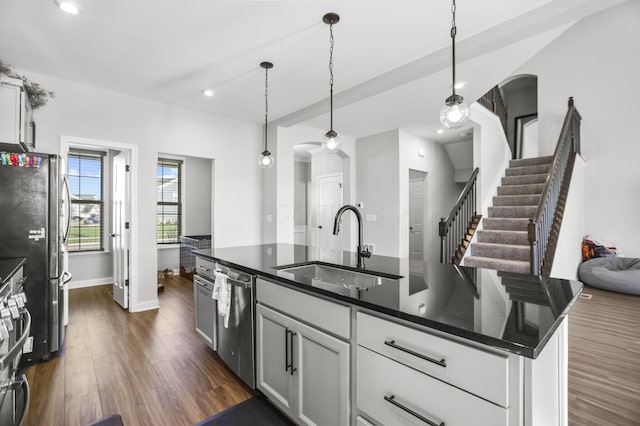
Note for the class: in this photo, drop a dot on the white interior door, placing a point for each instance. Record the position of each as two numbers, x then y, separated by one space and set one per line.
329 201
120 236
416 221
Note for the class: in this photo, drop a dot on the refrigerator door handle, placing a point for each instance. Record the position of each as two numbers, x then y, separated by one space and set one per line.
65 182
65 278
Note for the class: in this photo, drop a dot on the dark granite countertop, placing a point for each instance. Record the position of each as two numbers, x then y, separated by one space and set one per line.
513 312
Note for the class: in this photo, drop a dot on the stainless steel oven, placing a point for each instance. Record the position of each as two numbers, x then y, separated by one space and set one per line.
236 342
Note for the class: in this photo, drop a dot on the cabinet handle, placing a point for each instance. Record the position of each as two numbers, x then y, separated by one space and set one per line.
392 399
202 268
286 349
392 343
291 349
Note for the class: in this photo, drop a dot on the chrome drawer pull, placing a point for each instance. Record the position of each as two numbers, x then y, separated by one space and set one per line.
392 343
202 268
392 400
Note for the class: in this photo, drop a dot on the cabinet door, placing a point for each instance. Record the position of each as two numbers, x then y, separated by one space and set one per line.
272 353
9 114
321 364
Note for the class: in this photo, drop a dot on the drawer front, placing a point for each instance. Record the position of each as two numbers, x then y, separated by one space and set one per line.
321 313
480 372
205 267
399 395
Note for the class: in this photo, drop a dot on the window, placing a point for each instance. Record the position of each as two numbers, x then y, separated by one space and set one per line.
169 198
85 172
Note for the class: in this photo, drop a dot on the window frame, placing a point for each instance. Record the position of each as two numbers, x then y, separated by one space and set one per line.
179 163
103 157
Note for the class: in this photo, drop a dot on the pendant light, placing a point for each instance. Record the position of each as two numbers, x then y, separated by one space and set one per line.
455 113
331 140
266 160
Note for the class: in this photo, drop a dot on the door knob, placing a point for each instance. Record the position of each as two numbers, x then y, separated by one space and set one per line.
320 227
113 235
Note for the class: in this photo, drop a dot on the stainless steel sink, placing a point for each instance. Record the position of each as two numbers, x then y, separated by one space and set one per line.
336 279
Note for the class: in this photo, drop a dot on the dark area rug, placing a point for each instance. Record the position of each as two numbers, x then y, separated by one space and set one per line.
255 411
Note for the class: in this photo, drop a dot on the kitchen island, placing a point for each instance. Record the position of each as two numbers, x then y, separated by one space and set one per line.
496 343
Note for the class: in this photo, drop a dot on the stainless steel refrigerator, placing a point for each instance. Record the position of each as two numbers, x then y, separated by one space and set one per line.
31 226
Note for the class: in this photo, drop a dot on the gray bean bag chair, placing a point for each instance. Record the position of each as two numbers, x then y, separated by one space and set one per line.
621 274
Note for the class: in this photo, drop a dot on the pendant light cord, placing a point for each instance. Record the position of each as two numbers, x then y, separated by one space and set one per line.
266 104
453 45
331 74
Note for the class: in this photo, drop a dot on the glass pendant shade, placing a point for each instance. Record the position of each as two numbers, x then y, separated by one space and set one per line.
266 160
331 141
455 113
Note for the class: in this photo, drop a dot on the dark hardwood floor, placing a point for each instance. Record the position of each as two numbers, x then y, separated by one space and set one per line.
604 360
151 367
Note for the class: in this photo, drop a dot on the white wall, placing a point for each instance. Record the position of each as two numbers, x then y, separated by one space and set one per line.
383 163
302 177
378 185
88 112
491 153
278 182
597 61
568 251
441 190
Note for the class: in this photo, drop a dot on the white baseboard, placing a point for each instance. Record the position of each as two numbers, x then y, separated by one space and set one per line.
90 283
146 306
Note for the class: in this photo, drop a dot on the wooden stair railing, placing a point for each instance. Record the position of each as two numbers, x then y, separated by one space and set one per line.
458 228
493 101
544 227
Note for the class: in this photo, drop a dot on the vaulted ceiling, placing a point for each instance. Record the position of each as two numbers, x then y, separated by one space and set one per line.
392 59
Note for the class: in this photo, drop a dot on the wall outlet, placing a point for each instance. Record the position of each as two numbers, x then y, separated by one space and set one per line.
371 217
269 218
370 247
28 345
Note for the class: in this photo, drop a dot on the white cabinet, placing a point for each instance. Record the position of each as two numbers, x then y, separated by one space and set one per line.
302 370
398 395
478 371
16 125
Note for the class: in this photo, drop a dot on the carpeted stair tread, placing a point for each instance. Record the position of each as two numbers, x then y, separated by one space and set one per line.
513 211
501 251
502 241
516 200
528 170
531 161
526 189
500 264
507 224
524 180
503 237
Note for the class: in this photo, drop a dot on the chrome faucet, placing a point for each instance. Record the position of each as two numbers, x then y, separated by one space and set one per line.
362 252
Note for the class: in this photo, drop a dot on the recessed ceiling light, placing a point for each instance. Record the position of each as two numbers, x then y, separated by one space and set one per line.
208 92
459 85
440 131
68 6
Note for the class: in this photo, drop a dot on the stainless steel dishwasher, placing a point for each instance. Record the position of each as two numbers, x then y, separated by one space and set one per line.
236 342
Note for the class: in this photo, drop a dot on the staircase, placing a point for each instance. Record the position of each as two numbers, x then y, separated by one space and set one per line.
503 242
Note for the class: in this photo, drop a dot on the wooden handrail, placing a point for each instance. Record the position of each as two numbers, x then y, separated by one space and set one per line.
463 196
459 220
539 227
